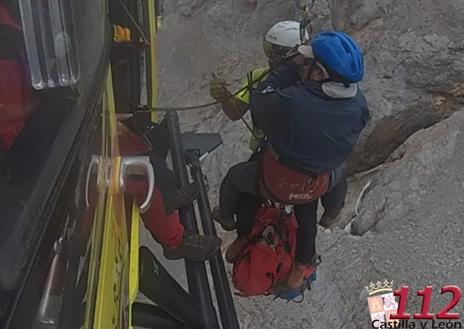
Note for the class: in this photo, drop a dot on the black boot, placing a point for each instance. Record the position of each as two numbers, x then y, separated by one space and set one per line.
330 218
195 247
228 224
182 197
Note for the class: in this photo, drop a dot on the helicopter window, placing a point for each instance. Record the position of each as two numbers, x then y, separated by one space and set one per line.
41 131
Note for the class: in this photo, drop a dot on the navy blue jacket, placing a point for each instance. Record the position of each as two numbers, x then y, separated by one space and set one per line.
307 128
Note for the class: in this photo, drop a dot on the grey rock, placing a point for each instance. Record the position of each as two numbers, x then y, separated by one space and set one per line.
354 15
410 182
414 69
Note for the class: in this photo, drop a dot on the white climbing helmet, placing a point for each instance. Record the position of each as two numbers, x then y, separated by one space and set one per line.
282 37
285 34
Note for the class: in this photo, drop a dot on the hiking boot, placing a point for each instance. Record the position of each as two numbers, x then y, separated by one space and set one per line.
195 247
228 224
300 272
236 250
182 197
329 218
296 278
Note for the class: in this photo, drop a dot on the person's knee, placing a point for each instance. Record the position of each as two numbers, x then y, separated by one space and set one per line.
235 171
232 176
336 196
337 178
165 228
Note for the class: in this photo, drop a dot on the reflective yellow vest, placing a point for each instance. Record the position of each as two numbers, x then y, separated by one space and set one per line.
254 77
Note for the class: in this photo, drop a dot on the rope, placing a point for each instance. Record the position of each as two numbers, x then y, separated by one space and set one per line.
305 22
305 5
147 108
249 127
201 106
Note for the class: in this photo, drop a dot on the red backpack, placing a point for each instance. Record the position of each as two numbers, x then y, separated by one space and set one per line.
268 260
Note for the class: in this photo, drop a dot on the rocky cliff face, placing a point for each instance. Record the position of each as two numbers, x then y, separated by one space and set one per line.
409 221
415 68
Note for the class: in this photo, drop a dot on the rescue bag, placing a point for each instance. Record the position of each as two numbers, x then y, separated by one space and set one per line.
268 260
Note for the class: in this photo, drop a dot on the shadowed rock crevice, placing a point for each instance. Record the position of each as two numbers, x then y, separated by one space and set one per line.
412 175
391 131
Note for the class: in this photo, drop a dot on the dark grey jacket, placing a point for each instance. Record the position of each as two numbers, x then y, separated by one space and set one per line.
305 126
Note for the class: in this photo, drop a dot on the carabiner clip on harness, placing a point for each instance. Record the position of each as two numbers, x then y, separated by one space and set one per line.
306 7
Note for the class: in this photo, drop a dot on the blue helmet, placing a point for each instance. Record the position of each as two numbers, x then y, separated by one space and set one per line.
340 55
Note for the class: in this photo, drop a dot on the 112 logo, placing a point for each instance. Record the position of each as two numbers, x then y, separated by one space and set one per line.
388 307
426 294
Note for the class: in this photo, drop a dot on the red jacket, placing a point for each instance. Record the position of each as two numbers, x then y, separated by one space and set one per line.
15 87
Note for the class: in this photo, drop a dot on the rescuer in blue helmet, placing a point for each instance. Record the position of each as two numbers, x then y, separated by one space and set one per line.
312 112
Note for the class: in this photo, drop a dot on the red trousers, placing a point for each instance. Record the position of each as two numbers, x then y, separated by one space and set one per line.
166 229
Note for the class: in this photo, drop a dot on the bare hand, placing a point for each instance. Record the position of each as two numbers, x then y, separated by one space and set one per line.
218 89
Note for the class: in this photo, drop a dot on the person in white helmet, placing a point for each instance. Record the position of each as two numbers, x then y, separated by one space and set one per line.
278 41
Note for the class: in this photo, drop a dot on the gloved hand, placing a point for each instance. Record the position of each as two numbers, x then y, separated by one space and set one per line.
218 89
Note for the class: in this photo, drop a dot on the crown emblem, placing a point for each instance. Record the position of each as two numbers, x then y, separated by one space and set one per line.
385 286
